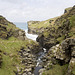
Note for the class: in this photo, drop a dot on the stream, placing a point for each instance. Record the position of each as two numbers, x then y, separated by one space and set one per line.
40 54
39 62
24 26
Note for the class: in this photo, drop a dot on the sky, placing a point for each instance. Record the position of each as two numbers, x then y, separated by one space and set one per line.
37 10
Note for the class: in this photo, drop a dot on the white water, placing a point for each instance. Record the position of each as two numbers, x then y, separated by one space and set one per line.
24 26
31 36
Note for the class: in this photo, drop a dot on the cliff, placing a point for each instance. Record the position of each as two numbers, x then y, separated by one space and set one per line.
8 29
17 53
60 59
59 40
63 27
57 35
37 27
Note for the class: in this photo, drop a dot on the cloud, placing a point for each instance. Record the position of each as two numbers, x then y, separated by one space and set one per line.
24 10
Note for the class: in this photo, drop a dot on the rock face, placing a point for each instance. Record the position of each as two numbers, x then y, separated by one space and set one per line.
67 9
63 27
8 29
28 56
58 37
17 53
28 60
61 54
32 30
37 27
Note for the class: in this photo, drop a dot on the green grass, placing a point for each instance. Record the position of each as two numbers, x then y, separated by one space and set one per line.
72 21
57 70
43 24
60 39
10 57
72 26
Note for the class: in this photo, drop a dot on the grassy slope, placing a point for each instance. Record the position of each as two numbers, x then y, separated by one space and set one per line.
62 23
9 48
57 70
43 24
7 28
10 57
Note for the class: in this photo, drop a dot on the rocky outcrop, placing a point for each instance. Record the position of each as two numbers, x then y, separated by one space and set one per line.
28 56
8 29
20 34
61 54
67 9
37 27
63 27
28 60
32 30
20 52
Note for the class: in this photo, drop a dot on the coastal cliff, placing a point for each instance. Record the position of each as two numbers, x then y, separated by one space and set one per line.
8 29
62 28
57 36
18 54
59 40
37 27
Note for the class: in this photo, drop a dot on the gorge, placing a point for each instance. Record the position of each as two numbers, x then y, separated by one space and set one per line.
49 49
24 26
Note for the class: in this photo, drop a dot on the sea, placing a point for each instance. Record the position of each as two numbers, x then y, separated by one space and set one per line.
24 26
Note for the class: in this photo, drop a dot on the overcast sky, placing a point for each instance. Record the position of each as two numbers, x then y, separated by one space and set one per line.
25 10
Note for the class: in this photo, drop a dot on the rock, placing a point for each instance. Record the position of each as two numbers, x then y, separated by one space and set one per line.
8 29
24 74
71 68
61 54
58 31
67 10
19 34
41 71
32 30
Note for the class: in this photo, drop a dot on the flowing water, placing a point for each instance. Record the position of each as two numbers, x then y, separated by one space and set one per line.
24 26
39 62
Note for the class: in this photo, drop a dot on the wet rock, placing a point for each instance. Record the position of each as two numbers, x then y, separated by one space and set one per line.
71 67
41 71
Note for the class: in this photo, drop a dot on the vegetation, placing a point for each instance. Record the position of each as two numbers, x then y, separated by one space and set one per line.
57 70
10 58
72 26
43 24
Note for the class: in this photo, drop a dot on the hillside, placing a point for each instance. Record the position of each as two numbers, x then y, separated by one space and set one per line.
59 40
63 27
37 27
17 53
57 35
8 29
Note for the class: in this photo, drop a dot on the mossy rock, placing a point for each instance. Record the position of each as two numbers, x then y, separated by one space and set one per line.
57 70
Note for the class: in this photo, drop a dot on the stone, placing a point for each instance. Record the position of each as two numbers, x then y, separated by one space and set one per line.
71 68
